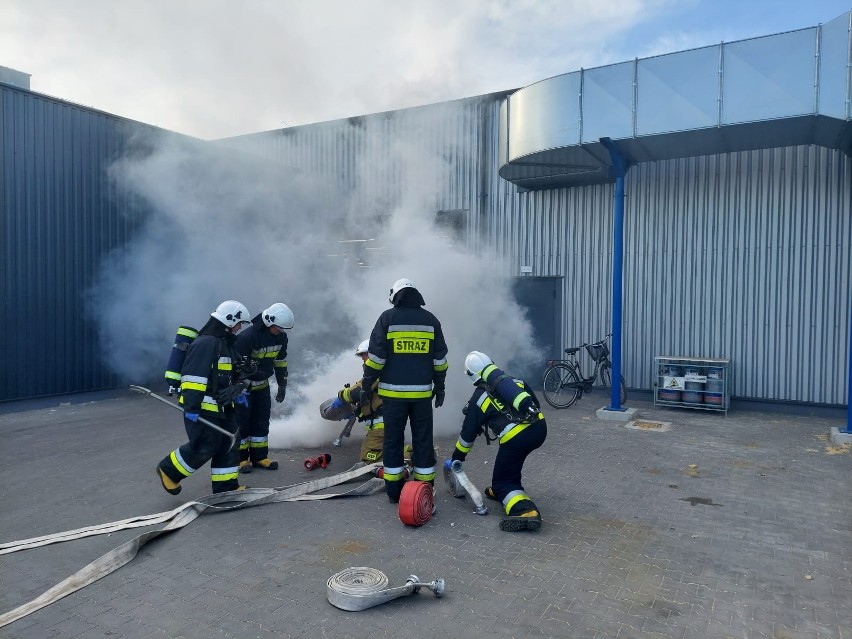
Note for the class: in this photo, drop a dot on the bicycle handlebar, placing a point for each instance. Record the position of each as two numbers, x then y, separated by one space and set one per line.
584 344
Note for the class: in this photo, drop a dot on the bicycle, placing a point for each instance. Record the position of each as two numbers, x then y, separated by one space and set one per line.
564 382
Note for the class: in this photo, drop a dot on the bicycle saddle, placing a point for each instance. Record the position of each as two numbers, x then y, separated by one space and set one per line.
570 351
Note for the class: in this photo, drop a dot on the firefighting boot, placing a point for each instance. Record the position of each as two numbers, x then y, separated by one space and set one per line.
268 464
170 486
245 466
523 516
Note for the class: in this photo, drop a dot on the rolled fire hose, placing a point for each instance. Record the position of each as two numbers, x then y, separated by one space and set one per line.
149 393
360 588
416 503
177 519
458 483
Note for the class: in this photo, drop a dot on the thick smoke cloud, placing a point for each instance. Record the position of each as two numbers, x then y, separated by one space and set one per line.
220 223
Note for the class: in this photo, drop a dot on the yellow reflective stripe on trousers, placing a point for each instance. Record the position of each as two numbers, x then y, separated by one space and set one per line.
513 498
224 474
180 465
393 474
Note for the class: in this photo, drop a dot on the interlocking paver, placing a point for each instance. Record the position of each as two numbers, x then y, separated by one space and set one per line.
753 541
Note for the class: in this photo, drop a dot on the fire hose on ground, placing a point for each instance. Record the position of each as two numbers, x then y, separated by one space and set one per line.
458 483
360 588
177 519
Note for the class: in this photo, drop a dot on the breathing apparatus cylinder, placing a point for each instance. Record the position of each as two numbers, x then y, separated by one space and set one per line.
504 388
184 337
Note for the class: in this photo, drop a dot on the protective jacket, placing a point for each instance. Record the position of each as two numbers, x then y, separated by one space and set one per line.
484 410
407 354
370 413
207 369
267 350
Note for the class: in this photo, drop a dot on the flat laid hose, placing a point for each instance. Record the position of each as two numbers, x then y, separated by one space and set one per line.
177 519
360 588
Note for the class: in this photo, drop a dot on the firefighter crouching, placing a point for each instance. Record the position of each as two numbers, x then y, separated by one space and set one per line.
408 357
368 413
209 387
265 342
506 409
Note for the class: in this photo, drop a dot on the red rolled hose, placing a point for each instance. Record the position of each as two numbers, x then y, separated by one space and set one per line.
415 503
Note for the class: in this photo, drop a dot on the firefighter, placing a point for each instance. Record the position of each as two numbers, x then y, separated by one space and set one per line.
506 409
368 413
209 387
265 342
407 356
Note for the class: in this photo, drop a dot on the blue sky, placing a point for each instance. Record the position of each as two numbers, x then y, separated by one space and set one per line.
216 68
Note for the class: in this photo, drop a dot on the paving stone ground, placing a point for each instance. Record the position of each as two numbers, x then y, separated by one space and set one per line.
737 526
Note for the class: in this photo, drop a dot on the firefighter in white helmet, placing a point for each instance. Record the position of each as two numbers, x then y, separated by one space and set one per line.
408 358
348 404
209 388
265 343
506 409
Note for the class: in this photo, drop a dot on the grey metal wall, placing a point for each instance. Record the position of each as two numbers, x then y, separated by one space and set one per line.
59 218
743 255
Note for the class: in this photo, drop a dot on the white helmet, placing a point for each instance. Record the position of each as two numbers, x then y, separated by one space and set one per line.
398 286
231 313
363 347
475 363
278 315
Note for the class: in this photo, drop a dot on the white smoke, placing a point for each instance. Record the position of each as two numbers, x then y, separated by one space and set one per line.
221 224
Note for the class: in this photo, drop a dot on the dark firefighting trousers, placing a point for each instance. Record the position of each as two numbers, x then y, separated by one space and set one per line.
396 414
254 425
506 478
206 444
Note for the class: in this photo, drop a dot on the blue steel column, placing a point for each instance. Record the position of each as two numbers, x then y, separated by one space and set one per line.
849 394
620 167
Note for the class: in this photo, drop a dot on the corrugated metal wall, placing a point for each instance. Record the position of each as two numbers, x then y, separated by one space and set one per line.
60 217
744 255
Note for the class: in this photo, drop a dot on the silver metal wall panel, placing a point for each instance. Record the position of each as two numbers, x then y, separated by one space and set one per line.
743 255
60 218
366 157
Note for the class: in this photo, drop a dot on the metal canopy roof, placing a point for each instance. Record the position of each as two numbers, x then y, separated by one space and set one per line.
782 90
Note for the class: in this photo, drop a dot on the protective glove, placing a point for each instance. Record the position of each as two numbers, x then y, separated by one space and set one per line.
282 391
438 394
193 417
243 399
337 403
448 464
366 396
458 456
229 394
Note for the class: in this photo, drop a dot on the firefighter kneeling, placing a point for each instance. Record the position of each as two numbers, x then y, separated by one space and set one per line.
506 409
348 404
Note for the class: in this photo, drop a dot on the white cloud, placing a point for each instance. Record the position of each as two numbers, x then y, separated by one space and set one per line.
215 68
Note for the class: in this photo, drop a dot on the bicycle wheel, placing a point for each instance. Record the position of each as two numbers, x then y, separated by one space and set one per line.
557 389
606 379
